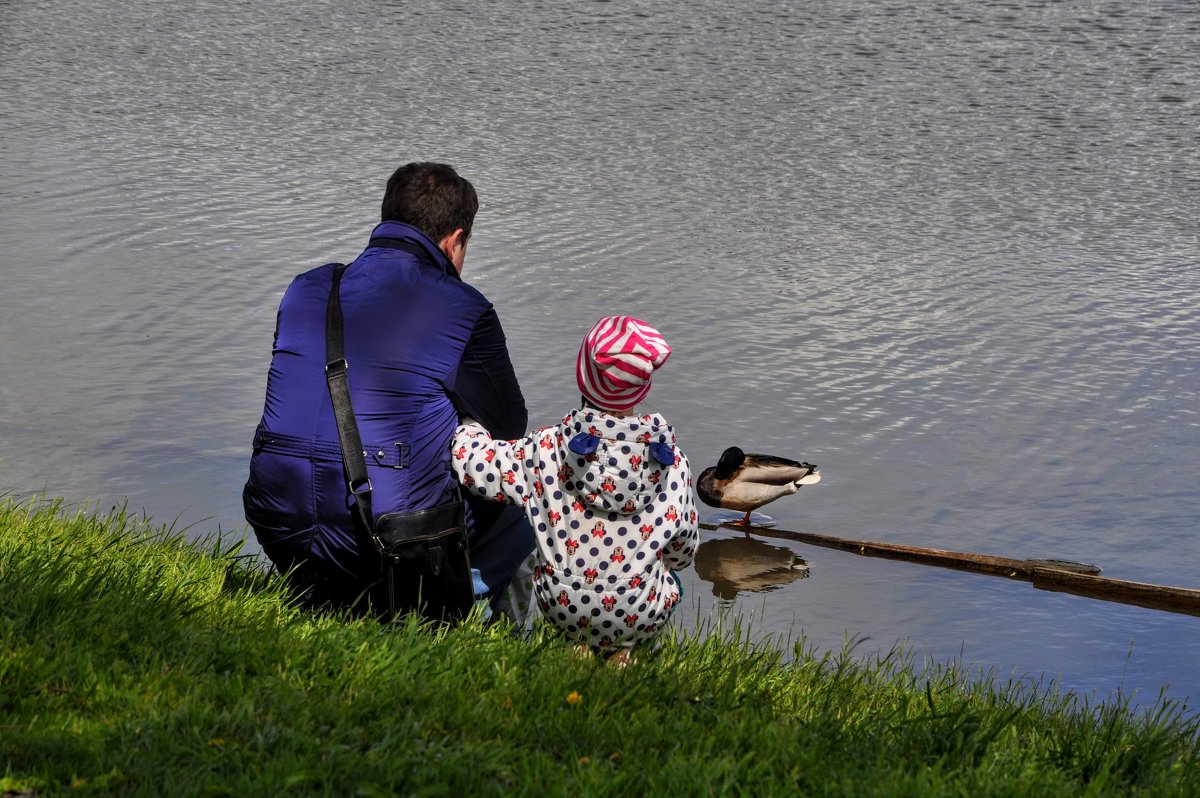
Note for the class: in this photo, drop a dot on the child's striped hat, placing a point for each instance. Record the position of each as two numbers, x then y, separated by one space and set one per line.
616 360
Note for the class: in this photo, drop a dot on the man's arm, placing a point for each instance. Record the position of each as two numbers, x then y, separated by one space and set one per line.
485 386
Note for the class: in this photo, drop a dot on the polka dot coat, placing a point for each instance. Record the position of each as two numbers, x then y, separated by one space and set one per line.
610 501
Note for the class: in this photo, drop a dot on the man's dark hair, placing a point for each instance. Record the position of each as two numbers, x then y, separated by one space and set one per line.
432 198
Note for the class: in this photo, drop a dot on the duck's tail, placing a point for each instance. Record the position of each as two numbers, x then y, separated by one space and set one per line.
811 479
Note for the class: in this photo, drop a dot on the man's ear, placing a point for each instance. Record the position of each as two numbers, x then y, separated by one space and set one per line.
451 242
454 246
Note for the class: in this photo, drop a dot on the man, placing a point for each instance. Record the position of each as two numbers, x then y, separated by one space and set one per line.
424 348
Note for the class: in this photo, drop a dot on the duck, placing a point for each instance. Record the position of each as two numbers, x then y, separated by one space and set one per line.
745 482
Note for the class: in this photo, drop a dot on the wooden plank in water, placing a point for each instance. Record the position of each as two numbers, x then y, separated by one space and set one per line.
1053 575
1142 594
959 560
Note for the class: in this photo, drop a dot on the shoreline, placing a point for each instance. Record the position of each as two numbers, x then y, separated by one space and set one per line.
136 661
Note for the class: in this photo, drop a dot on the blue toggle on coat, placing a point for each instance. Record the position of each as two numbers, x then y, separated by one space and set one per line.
423 347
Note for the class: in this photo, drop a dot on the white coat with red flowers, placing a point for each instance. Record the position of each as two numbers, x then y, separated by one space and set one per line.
610 501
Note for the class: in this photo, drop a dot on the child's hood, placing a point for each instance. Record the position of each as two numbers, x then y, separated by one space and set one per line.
615 463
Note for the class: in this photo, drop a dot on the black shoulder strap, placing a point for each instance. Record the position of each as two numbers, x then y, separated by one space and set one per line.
343 411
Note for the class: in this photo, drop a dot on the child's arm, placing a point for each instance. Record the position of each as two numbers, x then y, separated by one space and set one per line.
682 549
490 467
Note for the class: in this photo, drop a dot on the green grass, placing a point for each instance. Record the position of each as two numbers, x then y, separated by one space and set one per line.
135 662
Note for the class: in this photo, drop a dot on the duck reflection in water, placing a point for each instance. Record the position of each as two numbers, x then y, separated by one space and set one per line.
740 564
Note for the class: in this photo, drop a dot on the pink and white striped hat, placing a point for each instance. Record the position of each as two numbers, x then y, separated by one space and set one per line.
616 360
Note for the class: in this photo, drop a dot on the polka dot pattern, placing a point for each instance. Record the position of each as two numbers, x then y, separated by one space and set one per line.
610 525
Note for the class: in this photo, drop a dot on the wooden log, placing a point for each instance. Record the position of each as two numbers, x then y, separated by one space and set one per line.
1054 575
959 560
1142 594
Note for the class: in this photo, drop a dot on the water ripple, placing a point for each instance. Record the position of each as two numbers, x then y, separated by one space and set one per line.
946 250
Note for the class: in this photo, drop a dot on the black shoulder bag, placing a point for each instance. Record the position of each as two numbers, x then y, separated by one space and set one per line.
424 554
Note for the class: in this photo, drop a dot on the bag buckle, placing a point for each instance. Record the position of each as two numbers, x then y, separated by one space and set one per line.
437 558
337 366
362 488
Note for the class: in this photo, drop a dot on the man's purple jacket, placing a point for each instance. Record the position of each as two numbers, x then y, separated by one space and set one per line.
423 348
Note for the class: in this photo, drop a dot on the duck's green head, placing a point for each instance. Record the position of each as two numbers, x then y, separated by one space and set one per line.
731 459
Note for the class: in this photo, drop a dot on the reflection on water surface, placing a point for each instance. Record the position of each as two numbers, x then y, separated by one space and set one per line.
743 564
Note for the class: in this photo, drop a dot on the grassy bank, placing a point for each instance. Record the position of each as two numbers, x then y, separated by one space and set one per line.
135 663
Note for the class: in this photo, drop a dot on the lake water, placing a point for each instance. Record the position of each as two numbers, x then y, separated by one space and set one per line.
948 250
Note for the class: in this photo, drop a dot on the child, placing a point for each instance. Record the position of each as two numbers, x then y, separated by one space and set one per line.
608 493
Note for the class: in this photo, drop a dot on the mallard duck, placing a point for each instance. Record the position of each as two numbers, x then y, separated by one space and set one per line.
745 482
